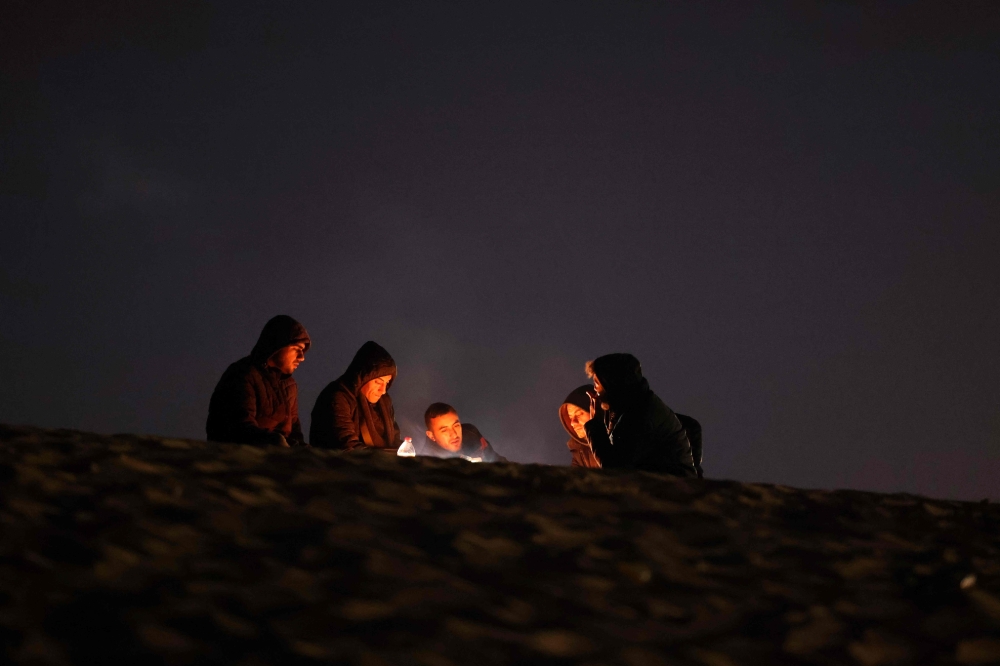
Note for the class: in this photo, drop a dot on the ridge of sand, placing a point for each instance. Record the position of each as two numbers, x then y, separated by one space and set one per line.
140 550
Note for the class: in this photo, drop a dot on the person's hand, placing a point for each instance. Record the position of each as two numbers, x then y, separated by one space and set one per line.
282 442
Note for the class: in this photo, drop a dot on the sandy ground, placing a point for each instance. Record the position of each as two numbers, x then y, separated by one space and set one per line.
143 550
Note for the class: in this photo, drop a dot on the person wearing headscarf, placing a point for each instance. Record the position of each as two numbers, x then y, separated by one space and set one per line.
638 431
355 410
257 401
574 413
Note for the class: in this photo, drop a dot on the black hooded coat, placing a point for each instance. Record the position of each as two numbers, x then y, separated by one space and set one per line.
638 430
344 419
254 403
474 445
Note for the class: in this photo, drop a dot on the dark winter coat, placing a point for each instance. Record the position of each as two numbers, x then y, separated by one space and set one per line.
474 445
344 419
583 455
638 431
693 429
254 403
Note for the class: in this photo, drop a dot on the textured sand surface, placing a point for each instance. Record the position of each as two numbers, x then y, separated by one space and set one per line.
147 550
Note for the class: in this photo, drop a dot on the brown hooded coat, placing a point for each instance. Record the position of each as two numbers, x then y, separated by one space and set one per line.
254 403
344 419
583 455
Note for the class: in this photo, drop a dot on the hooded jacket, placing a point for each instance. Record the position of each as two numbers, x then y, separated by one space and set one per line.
344 419
254 403
638 431
474 445
693 429
583 455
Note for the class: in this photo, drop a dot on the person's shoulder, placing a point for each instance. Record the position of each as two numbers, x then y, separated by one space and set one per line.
338 387
243 365
473 440
469 429
689 422
240 371
656 403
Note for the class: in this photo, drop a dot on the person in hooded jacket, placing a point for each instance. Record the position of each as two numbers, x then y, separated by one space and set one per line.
355 409
448 437
638 431
574 413
257 401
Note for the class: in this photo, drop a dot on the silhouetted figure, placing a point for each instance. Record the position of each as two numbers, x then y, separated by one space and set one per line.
448 437
257 401
638 431
574 413
693 429
355 409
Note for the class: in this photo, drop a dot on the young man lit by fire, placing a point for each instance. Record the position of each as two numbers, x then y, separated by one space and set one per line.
448 437
257 401
638 431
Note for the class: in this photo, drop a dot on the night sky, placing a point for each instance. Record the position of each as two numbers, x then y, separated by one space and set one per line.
788 212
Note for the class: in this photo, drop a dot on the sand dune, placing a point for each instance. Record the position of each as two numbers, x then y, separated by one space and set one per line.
129 549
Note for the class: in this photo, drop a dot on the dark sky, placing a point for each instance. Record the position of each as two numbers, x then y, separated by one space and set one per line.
790 215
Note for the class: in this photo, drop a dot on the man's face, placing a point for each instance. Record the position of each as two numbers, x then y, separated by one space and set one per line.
577 419
288 358
446 430
375 389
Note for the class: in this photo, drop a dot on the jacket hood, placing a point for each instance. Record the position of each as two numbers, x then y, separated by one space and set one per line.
620 375
579 398
369 362
279 332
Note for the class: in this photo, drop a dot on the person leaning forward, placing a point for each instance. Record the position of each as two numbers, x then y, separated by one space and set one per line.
574 413
638 430
448 437
256 401
355 409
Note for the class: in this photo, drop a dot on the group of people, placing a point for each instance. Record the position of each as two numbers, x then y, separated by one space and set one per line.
615 422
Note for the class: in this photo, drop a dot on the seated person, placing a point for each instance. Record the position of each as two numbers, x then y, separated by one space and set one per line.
638 431
574 414
355 409
256 401
448 437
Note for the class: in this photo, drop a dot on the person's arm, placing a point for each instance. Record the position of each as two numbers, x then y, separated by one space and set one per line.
243 411
296 438
489 454
671 450
597 434
397 437
693 429
346 433
585 458
600 443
